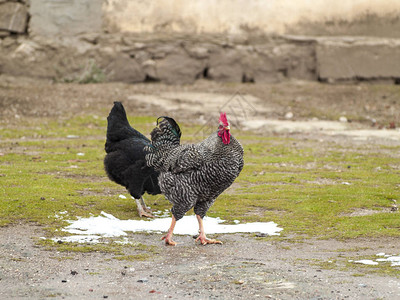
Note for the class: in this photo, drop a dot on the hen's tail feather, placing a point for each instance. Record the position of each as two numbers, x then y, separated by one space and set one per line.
167 133
164 137
118 127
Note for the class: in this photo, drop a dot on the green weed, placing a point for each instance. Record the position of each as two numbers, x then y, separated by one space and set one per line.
309 188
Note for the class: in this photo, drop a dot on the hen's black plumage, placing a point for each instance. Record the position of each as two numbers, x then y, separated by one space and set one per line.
125 160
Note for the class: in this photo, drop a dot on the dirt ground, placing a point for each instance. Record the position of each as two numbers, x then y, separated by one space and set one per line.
243 267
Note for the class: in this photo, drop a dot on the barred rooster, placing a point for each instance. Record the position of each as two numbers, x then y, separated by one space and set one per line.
125 160
193 175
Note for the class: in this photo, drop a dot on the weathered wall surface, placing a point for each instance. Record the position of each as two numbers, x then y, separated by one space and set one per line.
379 18
346 59
176 59
305 17
179 41
66 17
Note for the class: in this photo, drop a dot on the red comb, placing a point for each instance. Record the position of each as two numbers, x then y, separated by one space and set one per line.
223 119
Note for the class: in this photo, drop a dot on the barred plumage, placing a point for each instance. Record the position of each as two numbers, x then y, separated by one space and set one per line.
194 175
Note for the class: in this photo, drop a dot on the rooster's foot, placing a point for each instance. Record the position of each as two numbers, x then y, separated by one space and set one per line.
204 241
168 240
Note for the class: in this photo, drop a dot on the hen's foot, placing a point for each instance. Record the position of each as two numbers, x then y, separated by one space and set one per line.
146 214
168 240
204 241
148 210
143 210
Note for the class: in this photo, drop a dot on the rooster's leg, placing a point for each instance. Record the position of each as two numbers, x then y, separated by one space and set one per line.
142 212
146 209
202 236
168 236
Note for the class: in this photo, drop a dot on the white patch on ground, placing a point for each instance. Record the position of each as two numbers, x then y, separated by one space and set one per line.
366 262
366 134
90 230
248 111
325 127
241 104
394 260
293 126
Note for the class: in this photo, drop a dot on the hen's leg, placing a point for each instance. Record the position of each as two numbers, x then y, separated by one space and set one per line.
168 236
202 236
146 209
142 212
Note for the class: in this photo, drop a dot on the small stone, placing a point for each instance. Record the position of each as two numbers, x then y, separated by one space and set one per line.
64 281
262 235
343 119
13 17
143 280
289 115
74 272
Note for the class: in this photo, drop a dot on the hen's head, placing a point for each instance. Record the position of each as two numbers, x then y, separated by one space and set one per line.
223 129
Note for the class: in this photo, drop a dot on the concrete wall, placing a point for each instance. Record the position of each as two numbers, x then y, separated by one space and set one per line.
380 18
305 17
180 41
65 17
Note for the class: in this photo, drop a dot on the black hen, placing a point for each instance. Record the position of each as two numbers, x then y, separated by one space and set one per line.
125 160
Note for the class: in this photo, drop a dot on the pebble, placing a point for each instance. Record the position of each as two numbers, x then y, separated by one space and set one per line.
262 235
289 115
142 280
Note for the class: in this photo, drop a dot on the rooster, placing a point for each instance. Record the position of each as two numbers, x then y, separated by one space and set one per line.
193 175
125 159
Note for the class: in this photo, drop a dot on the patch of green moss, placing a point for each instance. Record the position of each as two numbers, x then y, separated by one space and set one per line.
133 257
309 188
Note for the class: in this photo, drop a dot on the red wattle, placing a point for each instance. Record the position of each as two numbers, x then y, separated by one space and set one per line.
225 136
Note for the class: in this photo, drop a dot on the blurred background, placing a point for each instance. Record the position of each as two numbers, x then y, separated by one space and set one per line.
179 41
